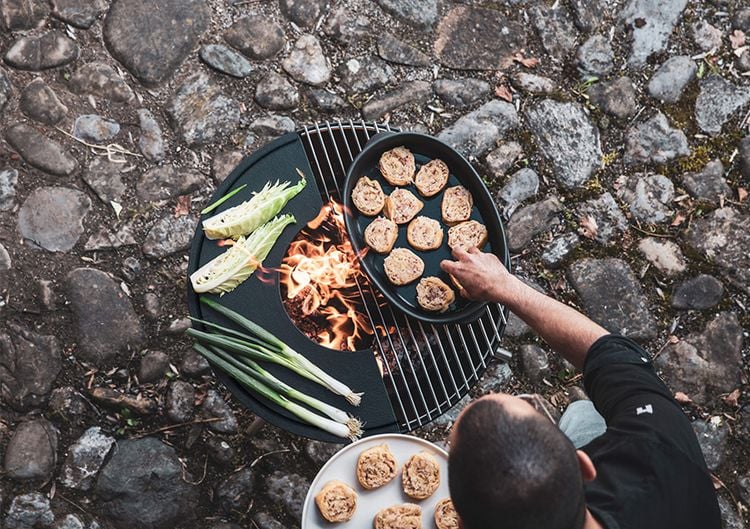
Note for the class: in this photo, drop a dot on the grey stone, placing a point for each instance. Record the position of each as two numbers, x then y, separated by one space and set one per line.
522 185
530 221
347 26
708 184
5 266
101 80
93 128
40 103
394 50
701 292
555 29
215 407
612 296
180 401
288 490
71 521
655 141
446 420
364 75
266 521
741 20
193 364
743 61
174 27
31 453
665 255
224 163
29 363
718 101
200 111
273 125
743 483
617 98
142 486
559 249
649 196
461 92
475 133
705 364
67 403
169 235
319 453
503 158
588 15
22 14
79 13
419 13
595 57
6 89
325 101
85 458
151 305
533 84
609 219
660 17
226 60
42 52
722 236
275 92
40 151
151 142
567 138
462 42
52 217
744 151
219 451
168 181
496 379
730 518
409 93
304 13
106 238
712 437
152 366
131 268
670 79
97 301
256 36
307 63
29 511
706 36
534 363
235 494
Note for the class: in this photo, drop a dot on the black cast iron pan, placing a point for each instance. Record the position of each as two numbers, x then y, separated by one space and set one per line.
424 148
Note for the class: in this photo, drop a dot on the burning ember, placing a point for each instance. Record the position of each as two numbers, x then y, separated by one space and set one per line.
319 277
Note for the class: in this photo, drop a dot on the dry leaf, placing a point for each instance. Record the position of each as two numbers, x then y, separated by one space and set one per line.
737 38
183 206
733 398
741 194
682 398
739 51
526 62
503 92
673 339
589 227
679 219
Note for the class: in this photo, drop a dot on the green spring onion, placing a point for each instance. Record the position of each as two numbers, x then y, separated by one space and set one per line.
210 208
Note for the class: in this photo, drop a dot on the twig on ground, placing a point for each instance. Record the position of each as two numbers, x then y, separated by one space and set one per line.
109 150
176 426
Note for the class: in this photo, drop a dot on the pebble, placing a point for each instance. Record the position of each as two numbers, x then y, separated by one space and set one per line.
649 196
409 93
708 184
741 20
325 101
496 379
661 16
169 235
256 37
193 364
670 79
131 268
744 487
144 481
31 361
151 142
595 57
477 132
730 518
576 155
397 51
705 364
522 185
588 15
700 293
85 457
743 61
555 29
67 403
364 75
503 158
347 26
235 494
28 511
215 406
31 454
275 92
23 14
219 451
173 30
288 490
106 239
6 89
180 401
319 453
617 98
419 13
79 13
151 305
712 438
610 220
42 52
5 266
200 111
528 222
461 92
273 125
39 102
97 301
71 521
534 363
718 101
116 400
41 152
706 36
654 140
304 13
744 156
557 252
612 296
266 521
226 60
152 366
101 80
665 255
462 42
168 181
307 63
8 183
93 128
52 217
533 84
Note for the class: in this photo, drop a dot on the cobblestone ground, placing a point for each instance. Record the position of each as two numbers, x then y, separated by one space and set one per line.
614 135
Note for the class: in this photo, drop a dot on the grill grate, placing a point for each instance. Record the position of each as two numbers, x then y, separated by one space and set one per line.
427 368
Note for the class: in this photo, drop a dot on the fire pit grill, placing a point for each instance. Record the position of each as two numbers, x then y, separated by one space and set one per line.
449 359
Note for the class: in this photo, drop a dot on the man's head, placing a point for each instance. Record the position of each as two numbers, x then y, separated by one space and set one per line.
511 468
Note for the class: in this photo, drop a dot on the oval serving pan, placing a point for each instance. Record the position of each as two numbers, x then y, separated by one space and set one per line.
424 148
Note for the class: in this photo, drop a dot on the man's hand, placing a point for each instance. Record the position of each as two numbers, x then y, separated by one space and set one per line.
482 275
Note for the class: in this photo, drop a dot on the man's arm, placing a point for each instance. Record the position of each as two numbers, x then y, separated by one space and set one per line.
483 277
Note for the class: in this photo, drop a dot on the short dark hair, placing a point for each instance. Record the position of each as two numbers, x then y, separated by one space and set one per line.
513 472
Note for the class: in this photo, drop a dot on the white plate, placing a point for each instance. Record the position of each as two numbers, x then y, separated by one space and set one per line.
342 467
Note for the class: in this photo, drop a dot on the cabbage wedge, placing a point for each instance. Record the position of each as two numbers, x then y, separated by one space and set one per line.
247 217
225 272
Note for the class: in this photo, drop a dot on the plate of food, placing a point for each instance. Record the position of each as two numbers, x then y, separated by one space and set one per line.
388 481
410 199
